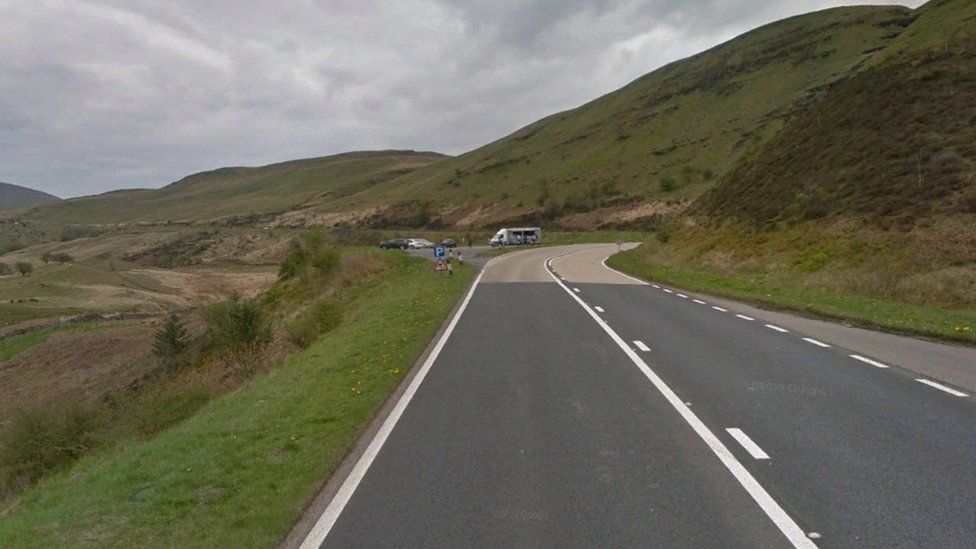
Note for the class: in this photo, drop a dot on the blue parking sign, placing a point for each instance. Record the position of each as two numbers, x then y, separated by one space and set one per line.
440 252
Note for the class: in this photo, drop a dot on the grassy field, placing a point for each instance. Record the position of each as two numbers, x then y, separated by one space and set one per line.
941 323
13 346
239 472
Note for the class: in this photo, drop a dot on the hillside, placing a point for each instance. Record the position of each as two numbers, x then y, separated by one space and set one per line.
227 192
12 196
662 140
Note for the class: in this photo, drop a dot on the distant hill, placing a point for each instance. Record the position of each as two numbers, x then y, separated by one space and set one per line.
12 196
226 192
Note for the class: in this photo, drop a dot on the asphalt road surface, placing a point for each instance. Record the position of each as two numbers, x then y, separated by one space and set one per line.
568 405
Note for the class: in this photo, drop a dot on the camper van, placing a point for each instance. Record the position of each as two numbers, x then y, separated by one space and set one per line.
516 237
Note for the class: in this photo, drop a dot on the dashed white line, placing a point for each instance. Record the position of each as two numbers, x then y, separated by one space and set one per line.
719 309
640 345
599 309
815 342
754 450
656 286
777 328
796 536
744 317
869 361
682 296
669 291
698 301
942 387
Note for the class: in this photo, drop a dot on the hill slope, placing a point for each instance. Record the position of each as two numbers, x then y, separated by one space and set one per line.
12 196
667 135
228 192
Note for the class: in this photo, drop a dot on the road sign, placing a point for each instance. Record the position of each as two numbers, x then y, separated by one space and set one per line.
440 266
440 251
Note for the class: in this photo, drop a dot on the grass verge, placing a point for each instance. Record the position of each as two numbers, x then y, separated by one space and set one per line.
239 472
955 325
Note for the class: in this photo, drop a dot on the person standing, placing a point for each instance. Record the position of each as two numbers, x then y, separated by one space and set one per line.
450 269
460 258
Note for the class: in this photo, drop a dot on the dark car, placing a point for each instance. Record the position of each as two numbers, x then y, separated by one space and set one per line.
449 243
395 244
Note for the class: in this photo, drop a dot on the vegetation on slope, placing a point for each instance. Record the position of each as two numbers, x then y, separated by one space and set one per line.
240 470
666 136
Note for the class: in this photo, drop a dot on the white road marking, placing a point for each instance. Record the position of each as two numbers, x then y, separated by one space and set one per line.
744 317
754 450
869 361
777 328
637 280
656 286
942 387
717 308
324 524
815 342
813 535
682 296
669 291
698 301
599 309
640 345
773 510
576 290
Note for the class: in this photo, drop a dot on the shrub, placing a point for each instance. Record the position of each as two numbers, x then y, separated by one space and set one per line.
43 440
46 257
62 258
319 319
5 269
237 327
170 340
291 267
324 260
668 185
24 268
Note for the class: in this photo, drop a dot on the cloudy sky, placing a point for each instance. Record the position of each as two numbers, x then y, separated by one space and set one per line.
101 95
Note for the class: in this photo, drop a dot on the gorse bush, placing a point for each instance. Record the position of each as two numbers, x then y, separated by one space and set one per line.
45 439
317 320
237 327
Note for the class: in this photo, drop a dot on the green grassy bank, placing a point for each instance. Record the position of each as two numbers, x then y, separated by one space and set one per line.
239 472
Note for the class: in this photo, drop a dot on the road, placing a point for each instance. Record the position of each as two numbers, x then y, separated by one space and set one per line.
570 405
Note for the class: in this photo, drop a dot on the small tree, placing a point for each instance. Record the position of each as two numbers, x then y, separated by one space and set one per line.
24 268
46 257
5 269
62 258
171 340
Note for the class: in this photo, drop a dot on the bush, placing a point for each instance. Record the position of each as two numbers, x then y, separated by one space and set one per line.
237 327
43 440
24 268
324 260
319 319
291 267
668 185
5 269
61 258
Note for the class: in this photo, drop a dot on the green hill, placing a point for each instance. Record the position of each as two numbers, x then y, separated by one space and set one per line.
12 196
229 192
667 136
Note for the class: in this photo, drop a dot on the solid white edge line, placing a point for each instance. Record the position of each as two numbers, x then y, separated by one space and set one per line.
599 309
327 520
869 361
815 342
625 275
719 309
942 387
773 510
747 443
744 317
777 328
640 345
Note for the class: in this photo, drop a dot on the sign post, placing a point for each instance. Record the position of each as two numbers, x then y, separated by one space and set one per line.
440 266
440 252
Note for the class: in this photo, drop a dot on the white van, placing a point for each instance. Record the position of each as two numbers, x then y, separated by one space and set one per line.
516 237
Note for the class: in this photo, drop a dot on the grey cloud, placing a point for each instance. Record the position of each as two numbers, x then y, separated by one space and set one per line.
98 95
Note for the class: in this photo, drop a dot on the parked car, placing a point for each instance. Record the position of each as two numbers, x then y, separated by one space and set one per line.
449 243
419 243
395 244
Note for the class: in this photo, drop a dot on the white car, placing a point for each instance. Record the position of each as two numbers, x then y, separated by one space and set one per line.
419 243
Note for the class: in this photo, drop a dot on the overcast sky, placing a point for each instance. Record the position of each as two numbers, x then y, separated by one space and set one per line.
101 95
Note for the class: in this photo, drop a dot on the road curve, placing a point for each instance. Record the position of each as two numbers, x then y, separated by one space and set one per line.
571 405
